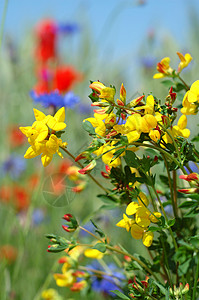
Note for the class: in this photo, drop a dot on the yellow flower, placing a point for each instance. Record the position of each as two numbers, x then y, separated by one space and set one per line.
65 279
180 129
51 147
136 124
188 108
98 124
42 140
185 61
148 238
155 216
125 223
193 93
149 107
56 122
154 135
163 68
137 231
50 294
93 253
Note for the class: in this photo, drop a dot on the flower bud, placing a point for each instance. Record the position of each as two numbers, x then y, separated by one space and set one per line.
88 168
135 101
97 86
83 155
190 177
189 191
120 103
123 94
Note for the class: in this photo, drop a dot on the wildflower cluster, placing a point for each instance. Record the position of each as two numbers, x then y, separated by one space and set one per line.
143 218
42 135
132 137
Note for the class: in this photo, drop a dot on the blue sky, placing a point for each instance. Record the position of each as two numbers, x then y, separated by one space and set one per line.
115 24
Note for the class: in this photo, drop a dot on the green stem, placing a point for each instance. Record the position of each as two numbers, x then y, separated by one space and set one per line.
175 198
185 84
3 21
95 180
163 211
196 280
171 188
167 265
151 197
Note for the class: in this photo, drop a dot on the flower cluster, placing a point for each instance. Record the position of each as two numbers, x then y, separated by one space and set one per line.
142 219
165 70
42 135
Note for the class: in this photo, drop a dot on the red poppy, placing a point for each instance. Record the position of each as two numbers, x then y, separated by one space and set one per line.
46 33
65 77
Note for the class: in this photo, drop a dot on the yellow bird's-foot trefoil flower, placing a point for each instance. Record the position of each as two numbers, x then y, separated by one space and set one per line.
163 68
42 135
142 219
184 61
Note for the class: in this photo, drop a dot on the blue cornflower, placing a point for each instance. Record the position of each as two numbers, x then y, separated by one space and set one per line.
67 28
55 99
71 100
38 216
148 62
106 283
14 166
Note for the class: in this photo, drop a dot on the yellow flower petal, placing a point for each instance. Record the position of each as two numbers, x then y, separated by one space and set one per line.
46 159
148 238
93 253
132 208
142 217
154 218
158 75
137 231
60 115
39 115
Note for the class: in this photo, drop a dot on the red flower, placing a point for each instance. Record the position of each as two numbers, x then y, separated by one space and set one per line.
65 77
8 252
46 33
16 137
21 198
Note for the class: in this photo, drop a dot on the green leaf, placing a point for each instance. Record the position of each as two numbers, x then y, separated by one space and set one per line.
98 230
167 83
131 159
88 127
119 294
100 247
194 196
189 203
154 228
171 222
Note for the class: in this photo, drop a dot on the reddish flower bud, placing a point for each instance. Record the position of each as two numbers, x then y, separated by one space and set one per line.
190 177
165 120
83 155
123 116
189 191
68 229
88 168
104 174
122 94
120 103
67 217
